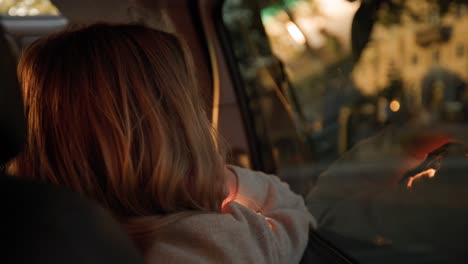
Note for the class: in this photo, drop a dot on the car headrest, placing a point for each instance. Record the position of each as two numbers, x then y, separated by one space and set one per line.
12 122
47 225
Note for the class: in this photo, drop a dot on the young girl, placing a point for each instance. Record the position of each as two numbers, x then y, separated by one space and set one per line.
112 113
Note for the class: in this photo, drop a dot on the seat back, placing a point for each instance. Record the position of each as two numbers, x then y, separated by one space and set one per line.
46 225
12 123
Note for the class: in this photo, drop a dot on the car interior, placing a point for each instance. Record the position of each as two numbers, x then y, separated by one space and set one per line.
293 87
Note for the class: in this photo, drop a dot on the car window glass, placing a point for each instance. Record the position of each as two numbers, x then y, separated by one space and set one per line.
27 8
348 97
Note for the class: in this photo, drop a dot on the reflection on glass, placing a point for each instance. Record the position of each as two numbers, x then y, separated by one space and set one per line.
430 173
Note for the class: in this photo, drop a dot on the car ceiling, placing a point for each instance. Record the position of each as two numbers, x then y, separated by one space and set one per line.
116 11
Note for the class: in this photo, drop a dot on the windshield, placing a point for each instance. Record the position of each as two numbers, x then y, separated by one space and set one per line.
354 103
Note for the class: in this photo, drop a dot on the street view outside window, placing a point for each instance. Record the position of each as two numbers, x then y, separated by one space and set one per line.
344 94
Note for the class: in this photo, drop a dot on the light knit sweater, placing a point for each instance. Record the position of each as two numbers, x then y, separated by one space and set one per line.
266 223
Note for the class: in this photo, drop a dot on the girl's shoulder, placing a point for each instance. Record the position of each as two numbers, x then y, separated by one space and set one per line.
238 235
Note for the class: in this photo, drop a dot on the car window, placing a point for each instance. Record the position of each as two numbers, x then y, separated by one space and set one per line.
295 62
24 21
27 8
353 104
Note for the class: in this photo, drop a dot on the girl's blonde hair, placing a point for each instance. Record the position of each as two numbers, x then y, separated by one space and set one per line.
113 113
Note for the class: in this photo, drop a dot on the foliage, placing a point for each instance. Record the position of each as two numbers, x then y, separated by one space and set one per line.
27 7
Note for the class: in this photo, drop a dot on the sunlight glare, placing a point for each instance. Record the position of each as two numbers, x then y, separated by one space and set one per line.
296 33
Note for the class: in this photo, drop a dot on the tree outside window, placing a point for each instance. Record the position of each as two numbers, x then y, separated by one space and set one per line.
27 8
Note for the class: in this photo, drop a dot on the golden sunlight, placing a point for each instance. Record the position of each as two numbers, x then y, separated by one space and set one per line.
296 33
395 106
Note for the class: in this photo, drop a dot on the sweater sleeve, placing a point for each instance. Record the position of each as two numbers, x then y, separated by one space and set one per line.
283 212
266 223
